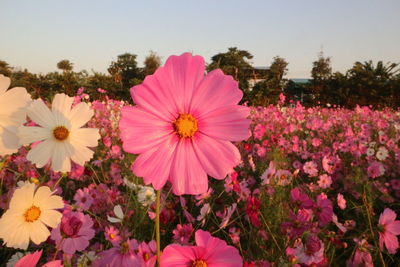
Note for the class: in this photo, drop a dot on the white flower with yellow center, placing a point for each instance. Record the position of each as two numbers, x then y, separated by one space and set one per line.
30 212
61 134
13 105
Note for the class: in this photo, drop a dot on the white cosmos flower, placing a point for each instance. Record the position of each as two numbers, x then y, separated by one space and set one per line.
119 213
61 134
146 195
30 212
13 105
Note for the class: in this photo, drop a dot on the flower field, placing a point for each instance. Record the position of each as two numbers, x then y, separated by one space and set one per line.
98 183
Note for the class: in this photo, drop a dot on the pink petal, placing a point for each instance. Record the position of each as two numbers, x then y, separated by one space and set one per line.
154 165
187 174
185 72
68 246
56 263
29 260
216 156
218 253
393 228
141 130
168 91
226 123
215 91
391 243
175 255
387 216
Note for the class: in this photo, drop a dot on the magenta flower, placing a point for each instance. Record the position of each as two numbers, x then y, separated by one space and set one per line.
323 210
389 228
74 232
182 125
210 251
300 199
32 259
311 252
83 198
182 233
119 256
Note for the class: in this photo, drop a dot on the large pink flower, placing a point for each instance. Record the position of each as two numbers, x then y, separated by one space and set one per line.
182 125
389 228
209 252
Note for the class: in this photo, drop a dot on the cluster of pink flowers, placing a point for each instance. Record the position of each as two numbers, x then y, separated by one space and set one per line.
310 187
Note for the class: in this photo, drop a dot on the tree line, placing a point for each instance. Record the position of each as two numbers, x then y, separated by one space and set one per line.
365 83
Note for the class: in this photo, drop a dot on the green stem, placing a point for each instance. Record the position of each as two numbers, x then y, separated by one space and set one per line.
158 226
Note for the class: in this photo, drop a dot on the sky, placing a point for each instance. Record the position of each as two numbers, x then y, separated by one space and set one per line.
37 34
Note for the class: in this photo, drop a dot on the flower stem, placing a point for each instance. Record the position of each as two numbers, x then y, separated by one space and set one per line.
158 225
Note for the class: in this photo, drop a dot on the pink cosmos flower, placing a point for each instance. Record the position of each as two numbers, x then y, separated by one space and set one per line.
119 256
182 125
324 181
323 210
83 198
310 167
311 252
112 235
147 254
375 169
210 251
341 201
182 233
389 228
74 232
300 199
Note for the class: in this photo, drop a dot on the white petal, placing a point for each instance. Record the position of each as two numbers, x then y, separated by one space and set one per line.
61 107
41 153
41 114
28 135
51 218
61 161
22 198
81 154
113 219
85 136
13 105
4 83
80 115
45 200
9 142
38 232
118 211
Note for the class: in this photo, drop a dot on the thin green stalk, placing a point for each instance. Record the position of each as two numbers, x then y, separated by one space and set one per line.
158 226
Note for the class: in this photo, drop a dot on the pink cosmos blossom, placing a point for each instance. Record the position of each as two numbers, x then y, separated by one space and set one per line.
74 232
310 167
389 228
375 169
310 252
122 255
324 181
341 201
361 257
182 125
112 235
209 251
252 210
83 198
323 209
182 233
300 199
147 254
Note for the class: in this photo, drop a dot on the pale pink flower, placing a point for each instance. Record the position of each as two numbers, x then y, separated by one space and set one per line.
375 169
324 181
341 201
310 252
310 167
209 251
389 228
182 125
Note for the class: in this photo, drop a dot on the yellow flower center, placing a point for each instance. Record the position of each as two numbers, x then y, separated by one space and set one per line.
199 263
60 133
185 125
112 236
32 214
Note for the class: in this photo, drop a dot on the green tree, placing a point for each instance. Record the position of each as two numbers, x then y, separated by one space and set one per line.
151 63
125 72
5 69
321 72
65 65
236 63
